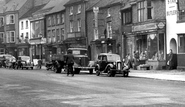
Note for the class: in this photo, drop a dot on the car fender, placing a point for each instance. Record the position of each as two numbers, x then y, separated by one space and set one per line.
97 67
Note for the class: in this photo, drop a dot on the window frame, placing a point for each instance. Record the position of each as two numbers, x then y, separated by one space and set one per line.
71 10
140 11
149 7
3 37
109 29
2 24
22 25
71 26
26 24
12 21
79 25
79 8
108 12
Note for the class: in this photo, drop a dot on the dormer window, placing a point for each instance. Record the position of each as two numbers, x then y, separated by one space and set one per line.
71 10
79 8
108 12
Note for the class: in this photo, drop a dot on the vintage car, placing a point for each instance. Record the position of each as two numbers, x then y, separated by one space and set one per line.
81 62
109 64
6 60
25 62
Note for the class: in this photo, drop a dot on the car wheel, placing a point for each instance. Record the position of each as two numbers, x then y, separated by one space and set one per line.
97 73
109 72
77 71
91 71
125 74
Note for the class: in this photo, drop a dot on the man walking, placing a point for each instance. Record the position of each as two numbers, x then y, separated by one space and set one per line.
70 63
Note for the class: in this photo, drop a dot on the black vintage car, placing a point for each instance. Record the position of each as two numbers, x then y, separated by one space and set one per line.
109 64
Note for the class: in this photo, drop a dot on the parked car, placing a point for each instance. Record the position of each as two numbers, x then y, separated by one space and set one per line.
6 60
25 62
109 64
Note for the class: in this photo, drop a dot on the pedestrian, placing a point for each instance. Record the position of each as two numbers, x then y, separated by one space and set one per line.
70 62
127 62
170 62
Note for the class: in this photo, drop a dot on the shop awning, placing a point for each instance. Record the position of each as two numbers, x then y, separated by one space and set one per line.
181 4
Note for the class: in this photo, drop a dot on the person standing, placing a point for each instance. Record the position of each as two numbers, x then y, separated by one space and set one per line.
170 60
70 63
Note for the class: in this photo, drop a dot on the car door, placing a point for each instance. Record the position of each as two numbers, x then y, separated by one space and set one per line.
103 62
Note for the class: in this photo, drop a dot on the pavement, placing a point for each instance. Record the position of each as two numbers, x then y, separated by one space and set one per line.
171 75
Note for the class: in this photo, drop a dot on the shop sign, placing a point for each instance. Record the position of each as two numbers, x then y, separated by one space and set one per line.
161 25
144 27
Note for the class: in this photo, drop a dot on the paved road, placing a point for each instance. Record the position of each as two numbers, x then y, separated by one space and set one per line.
41 88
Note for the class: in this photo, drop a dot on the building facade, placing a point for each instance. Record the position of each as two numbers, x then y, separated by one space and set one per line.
55 31
104 30
143 29
175 18
12 11
75 24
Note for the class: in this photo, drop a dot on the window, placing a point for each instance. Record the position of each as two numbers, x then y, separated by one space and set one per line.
96 33
58 18
57 35
149 9
54 19
22 25
49 21
26 35
62 18
10 36
62 34
109 30
71 10
2 51
79 25
71 26
22 36
2 38
108 12
10 19
26 24
181 43
140 11
1 21
127 17
54 37
79 8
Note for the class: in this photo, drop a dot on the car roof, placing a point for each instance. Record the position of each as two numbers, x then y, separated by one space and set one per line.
108 54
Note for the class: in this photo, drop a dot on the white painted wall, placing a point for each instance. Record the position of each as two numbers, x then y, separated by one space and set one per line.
24 30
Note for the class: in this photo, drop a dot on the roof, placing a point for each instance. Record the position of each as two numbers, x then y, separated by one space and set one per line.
14 5
104 3
29 13
58 7
73 1
50 5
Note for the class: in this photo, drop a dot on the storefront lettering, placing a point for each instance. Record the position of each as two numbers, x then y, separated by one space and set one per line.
144 27
171 1
172 12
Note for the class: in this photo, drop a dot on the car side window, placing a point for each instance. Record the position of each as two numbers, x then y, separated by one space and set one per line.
104 58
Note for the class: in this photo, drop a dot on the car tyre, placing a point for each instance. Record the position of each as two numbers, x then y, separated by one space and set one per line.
91 71
77 71
109 72
125 74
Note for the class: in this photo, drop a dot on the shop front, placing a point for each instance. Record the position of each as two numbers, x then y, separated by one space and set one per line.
150 43
105 45
37 50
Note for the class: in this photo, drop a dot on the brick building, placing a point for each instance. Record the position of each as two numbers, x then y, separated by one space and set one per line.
103 27
143 28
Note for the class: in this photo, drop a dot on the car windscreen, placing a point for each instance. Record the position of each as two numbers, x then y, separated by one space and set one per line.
113 58
24 58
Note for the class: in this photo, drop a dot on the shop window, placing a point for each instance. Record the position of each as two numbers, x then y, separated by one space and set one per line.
161 47
152 47
181 43
140 11
156 47
141 46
